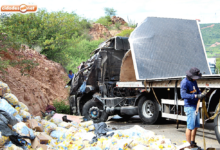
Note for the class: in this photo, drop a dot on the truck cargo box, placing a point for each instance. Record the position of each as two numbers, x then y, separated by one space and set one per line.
165 47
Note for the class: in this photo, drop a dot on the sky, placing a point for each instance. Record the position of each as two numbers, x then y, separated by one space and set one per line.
208 11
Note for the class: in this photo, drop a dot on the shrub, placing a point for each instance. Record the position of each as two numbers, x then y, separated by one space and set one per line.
106 21
117 26
61 107
125 33
131 23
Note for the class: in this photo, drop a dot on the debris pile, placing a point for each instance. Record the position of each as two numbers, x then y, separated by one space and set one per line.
20 130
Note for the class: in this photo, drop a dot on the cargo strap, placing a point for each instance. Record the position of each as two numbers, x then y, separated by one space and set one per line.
150 86
155 96
205 113
216 113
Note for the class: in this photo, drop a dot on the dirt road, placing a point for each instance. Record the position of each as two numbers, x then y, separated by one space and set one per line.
168 129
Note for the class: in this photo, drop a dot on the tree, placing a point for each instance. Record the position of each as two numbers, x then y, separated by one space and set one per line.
110 11
52 31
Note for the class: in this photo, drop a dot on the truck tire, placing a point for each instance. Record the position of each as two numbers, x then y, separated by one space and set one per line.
148 110
88 112
71 104
217 126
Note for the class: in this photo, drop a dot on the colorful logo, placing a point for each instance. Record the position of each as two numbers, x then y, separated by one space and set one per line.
19 8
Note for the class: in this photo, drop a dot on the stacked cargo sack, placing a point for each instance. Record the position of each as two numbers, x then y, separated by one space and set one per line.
76 136
16 110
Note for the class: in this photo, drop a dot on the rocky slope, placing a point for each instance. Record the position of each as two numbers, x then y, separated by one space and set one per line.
99 31
44 83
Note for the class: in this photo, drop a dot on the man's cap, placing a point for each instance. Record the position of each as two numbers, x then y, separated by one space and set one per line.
194 73
70 70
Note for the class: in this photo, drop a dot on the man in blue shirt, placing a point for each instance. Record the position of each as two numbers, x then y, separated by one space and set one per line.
191 95
70 75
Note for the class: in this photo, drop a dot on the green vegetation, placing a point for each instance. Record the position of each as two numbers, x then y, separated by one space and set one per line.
110 11
218 63
106 20
61 36
211 35
61 107
131 23
125 33
81 52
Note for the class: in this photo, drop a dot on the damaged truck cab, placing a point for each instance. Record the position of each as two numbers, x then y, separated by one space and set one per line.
101 72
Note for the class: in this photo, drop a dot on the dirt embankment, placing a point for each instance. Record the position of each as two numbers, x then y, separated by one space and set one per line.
44 83
211 26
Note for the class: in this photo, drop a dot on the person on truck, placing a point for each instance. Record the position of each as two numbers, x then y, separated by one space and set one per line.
70 75
191 94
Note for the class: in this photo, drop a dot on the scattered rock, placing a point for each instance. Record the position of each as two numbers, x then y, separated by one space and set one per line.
99 31
120 20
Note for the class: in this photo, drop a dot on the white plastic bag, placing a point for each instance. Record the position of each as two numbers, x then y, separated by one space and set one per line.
38 118
11 98
19 118
4 105
65 125
55 120
23 106
23 130
11 146
4 85
49 127
24 114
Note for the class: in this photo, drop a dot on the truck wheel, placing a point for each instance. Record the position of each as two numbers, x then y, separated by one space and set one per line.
71 103
148 110
217 126
126 117
94 111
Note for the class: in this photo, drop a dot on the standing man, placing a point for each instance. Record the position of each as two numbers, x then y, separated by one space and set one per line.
70 75
191 95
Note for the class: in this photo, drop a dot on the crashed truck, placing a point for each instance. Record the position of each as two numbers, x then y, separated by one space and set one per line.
141 75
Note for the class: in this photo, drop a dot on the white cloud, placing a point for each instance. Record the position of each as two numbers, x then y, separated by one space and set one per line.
206 10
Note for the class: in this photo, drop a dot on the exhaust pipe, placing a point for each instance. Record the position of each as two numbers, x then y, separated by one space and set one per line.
125 110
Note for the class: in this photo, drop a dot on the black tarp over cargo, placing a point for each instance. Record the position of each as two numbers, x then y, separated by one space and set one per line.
165 47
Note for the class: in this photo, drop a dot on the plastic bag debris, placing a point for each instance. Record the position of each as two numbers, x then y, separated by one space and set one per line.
11 98
3 140
19 118
23 130
55 120
86 124
4 105
23 106
82 88
59 133
65 125
5 86
48 127
138 147
38 118
11 146
25 114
